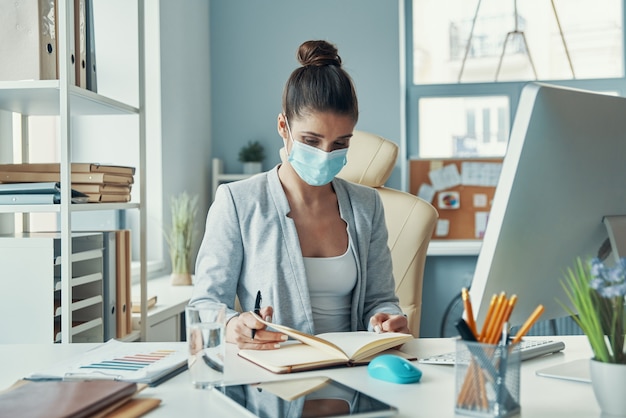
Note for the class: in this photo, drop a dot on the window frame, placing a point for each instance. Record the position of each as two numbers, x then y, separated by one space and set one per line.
511 89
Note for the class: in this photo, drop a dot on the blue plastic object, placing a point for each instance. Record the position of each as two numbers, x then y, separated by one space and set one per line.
395 369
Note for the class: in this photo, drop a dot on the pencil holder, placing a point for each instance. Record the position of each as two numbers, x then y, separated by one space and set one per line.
487 379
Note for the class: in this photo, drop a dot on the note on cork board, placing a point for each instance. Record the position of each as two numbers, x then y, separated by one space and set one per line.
460 189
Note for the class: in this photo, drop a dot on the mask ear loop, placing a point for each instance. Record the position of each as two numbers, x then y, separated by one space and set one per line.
290 134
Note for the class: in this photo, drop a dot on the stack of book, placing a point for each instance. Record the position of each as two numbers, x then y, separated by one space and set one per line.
94 182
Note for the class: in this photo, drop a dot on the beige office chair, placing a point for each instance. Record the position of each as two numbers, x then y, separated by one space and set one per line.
410 220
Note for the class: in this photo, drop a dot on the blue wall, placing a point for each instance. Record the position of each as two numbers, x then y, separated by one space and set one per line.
253 48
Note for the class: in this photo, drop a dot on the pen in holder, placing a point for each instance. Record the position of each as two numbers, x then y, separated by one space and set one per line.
487 379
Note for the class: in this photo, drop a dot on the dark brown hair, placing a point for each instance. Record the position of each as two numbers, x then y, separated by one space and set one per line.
320 84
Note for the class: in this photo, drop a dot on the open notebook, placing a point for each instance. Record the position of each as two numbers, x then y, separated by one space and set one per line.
310 352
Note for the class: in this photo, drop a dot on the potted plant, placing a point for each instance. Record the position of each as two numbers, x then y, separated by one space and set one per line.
597 292
252 156
180 236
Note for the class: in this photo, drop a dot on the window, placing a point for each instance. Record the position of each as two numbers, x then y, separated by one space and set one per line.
463 126
516 40
462 96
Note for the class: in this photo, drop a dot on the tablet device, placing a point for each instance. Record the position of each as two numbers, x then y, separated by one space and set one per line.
576 370
312 397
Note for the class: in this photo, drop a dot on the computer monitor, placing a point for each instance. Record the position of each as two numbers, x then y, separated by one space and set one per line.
564 171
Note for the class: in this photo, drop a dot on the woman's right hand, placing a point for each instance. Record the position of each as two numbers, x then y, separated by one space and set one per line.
239 331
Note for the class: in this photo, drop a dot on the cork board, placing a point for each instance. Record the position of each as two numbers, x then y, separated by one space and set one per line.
460 189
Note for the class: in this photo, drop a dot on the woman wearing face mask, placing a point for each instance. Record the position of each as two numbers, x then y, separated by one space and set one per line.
315 246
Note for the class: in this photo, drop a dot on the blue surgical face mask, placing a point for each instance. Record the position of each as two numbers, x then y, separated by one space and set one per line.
314 166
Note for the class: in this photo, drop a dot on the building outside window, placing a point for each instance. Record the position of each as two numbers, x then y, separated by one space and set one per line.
467 62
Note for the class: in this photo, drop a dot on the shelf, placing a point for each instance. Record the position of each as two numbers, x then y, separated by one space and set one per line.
42 97
170 304
220 177
80 328
76 302
232 177
454 247
81 304
133 336
81 256
76 207
77 281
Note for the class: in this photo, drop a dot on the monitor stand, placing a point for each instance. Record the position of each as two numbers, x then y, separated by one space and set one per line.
616 227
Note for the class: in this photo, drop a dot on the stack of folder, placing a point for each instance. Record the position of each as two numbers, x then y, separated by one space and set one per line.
94 182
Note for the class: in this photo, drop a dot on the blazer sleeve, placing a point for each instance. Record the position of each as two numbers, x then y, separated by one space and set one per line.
219 260
380 293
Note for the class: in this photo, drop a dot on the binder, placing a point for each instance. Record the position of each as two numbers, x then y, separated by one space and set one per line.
28 40
109 296
71 33
122 291
36 193
80 43
129 299
90 42
29 199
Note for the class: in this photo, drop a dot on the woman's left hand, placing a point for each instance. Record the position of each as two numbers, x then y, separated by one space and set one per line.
384 322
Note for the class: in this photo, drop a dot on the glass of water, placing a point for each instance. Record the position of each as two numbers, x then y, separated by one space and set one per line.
205 323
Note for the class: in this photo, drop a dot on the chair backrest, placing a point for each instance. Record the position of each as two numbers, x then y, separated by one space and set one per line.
410 220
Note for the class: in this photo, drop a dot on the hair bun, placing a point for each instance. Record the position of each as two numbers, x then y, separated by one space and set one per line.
318 54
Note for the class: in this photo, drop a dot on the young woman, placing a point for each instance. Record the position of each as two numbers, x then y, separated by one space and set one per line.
313 245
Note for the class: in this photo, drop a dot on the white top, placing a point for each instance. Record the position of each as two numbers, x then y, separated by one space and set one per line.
331 280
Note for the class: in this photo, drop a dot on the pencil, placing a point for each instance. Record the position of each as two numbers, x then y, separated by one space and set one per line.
528 324
492 304
509 308
503 316
484 403
469 313
495 317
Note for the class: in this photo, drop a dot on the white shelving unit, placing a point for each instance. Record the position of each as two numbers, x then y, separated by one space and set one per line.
219 176
61 98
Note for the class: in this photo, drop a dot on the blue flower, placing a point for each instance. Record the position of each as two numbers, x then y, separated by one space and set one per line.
609 282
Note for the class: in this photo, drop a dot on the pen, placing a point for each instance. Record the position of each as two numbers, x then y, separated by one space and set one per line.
469 313
257 309
504 355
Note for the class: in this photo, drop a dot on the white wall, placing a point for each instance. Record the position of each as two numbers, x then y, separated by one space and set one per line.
177 104
185 103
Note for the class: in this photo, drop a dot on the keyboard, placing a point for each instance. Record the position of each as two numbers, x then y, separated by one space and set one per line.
528 349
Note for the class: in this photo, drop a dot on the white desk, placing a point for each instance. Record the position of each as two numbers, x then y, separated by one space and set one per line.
432 397
164 319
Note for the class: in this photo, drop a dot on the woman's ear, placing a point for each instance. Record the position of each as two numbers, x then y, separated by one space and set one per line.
282 127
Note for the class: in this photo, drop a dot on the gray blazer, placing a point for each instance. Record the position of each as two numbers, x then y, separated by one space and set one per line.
250 244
